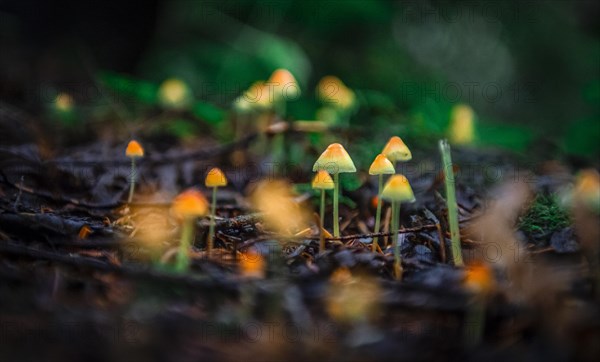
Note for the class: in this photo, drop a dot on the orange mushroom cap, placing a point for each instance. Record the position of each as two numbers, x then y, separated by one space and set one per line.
252 264
587 189
189 204
396 150
381 166
322 181
397 188
134 149
334 160
479 279
215 178
284 83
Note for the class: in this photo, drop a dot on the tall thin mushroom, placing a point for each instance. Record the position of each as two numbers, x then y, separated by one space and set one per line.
380 166
397 189
215 178
335 160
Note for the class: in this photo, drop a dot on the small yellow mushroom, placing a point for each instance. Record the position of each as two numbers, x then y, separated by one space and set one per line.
397 189
215 178
335 160
187 206
133 151
396 150
380 166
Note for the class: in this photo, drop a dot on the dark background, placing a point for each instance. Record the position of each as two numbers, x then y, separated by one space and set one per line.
530 69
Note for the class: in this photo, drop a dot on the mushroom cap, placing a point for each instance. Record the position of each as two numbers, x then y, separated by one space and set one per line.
587 189
479 279
64 102
462 125
257 96
334 160
332 90
322 181
284 83
396 150
134 149
188 204
381 166
174 92
397 188
215 178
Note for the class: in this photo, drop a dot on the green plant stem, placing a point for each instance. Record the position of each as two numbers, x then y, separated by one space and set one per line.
211 228
336 200
131 181
187 235
378 213
322 209
451 202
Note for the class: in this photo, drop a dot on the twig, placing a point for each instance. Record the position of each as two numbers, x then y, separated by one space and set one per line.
200 282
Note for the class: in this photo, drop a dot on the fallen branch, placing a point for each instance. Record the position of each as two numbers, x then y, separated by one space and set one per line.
143 273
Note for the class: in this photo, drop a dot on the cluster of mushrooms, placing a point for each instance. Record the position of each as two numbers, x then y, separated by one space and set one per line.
335 160
191 204
187 206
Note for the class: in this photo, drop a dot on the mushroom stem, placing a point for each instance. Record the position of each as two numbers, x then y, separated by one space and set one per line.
451 202
474 323
211 228
378 214
132 180
280 107
336 200
395 228
322 209
187 234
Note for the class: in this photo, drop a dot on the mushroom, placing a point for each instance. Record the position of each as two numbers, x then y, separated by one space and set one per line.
322 181
187 206
396 150
479 280
397 189
335 160
133 151
175 94
285 88
214 178
380 166
585 209
331 90
284 84
462 125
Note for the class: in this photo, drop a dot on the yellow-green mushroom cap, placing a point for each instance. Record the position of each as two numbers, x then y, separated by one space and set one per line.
462 125
396 150
397 188
381 166
334 160
322 181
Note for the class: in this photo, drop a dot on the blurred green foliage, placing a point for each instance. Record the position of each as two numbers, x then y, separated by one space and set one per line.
528 69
